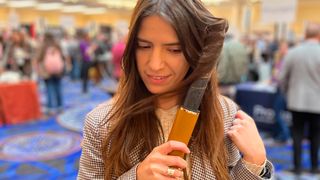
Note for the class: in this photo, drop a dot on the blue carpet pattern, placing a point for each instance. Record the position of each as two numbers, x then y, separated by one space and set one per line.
73 118
41 145
49 148
58 162
79 105
281 155
72 95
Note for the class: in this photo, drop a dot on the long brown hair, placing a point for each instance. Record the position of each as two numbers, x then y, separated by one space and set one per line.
133 116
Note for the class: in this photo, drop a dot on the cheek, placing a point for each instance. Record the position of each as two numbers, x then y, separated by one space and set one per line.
138 60
184 66
185 70
181 71
139 63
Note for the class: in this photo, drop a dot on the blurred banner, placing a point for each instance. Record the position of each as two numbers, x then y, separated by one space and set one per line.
13 19
278 11
67 22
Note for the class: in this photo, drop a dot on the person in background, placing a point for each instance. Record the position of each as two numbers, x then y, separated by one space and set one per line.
233 65
282 133
75 57
171 44
117 54
19 54
300 82
103 54
50 68
87 51
1 49
65 43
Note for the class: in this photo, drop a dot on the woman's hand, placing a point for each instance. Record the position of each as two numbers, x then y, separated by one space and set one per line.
157 163
245 136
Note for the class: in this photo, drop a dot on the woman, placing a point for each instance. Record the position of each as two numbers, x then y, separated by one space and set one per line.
50 68
282 132
86 51
126 138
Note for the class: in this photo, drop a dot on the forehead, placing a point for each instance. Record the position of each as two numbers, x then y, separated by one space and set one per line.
156 28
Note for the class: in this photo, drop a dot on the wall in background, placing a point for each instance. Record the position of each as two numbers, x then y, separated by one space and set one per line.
308 10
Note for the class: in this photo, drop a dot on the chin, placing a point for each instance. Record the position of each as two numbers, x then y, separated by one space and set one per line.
154 90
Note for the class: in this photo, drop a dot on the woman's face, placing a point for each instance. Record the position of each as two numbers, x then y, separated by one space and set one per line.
161 63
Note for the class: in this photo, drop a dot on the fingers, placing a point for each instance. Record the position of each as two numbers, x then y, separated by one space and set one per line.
244 134
167 172
242 115
156 164
175 161
239 122
238 125
168 160
232 133
173 172
160 154
169 146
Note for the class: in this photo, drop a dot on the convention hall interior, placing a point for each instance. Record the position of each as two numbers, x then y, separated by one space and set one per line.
41 120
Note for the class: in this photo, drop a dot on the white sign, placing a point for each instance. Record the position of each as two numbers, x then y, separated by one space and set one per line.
274 11
67 22
13 20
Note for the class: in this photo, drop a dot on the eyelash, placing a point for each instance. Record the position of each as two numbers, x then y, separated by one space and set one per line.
172 50
143 46
175 50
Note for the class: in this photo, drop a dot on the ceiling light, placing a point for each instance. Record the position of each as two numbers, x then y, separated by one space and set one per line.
21 3
128 4
255 1
94 10
210 2
49 6
73 8
72 1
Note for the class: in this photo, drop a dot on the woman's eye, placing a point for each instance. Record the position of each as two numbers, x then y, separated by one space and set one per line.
142 46
175 50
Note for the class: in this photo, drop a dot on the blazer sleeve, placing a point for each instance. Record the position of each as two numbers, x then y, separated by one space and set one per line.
239 172
130 175
237 168
91 165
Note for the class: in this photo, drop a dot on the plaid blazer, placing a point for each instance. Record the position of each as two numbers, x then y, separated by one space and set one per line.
91 164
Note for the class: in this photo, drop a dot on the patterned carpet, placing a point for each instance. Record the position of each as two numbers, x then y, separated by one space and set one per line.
50 148
39 150
281 157
73 118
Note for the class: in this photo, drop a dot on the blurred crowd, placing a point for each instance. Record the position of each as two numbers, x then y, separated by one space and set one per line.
50 56
255 58
292 68
258 58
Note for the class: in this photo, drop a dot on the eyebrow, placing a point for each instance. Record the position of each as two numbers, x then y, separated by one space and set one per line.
165 44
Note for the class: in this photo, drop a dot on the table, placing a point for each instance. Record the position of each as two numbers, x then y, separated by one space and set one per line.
19 102
258 101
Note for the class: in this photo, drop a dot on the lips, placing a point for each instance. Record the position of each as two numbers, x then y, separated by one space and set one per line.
156 79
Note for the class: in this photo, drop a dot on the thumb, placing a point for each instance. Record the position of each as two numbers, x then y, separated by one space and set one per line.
242 115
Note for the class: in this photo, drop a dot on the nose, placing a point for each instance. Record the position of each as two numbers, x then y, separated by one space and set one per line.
156 62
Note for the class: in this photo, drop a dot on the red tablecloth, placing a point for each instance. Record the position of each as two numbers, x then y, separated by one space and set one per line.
19 102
